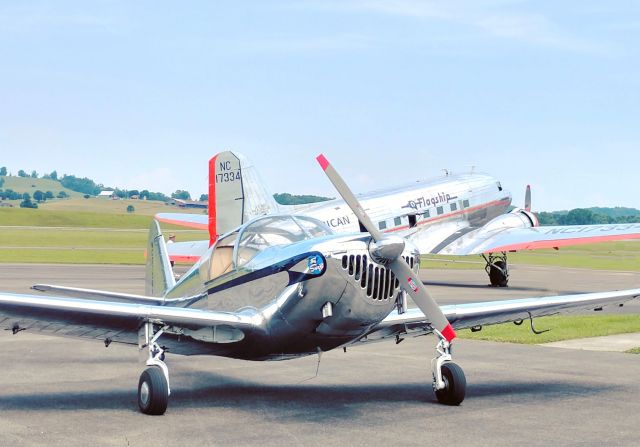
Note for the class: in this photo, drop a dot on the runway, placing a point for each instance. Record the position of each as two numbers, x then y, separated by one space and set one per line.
64 392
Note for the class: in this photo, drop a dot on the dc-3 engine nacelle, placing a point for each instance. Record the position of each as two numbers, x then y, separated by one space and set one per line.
517 218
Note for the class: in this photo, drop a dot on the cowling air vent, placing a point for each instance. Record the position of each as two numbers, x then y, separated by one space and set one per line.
380 282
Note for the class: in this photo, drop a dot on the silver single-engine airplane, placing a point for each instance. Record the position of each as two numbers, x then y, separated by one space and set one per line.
464 214
274 288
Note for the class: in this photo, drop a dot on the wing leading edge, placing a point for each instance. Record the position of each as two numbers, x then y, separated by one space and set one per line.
533 238
463 316
117 321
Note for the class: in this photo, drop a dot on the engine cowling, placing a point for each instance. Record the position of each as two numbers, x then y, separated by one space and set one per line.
517 218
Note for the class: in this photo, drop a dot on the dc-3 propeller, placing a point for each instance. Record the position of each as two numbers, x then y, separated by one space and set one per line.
449 381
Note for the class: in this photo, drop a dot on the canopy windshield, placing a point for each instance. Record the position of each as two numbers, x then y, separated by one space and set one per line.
276 230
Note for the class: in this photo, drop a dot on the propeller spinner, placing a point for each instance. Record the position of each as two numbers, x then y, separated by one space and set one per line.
387 250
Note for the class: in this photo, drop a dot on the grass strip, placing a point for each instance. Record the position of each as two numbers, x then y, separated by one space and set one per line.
562 328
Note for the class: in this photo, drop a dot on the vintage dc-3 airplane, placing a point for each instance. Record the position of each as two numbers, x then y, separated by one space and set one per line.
463 214
277 287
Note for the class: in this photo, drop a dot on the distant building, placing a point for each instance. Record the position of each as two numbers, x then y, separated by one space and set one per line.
107 194
190 203
6 204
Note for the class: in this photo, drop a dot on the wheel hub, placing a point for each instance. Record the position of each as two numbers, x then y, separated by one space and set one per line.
144 393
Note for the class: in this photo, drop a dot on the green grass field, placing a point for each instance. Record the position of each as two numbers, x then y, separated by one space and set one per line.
622 255
108 206
562 328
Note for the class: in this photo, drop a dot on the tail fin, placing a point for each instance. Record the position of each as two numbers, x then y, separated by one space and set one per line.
236 193
159 275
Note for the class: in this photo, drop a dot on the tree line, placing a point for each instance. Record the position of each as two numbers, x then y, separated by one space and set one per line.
589 216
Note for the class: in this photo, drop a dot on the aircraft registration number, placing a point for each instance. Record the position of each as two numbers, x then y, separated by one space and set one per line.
227 177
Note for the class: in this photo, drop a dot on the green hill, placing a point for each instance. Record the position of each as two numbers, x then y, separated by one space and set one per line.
30 185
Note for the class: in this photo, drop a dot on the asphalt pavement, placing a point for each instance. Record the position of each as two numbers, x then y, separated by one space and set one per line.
67 392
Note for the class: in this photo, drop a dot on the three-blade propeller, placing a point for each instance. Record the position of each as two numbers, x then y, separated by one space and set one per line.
527 199
388 250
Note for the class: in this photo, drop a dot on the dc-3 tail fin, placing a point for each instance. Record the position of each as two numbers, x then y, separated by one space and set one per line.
236 193
159 275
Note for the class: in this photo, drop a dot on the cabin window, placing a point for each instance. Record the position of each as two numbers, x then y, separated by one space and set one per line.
397 221
439 210
382 225
454 207
426 214
465 203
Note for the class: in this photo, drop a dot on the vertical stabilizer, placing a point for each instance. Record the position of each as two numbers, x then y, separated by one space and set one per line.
159 275
236 193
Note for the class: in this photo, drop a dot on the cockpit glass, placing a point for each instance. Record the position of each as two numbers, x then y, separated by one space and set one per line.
274 231
313 227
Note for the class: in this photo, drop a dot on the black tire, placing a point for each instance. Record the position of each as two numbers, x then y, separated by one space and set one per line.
455 385
153 391
497 274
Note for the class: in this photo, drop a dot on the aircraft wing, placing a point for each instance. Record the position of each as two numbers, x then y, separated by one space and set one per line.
116 321
190 251
482 240
197 221
462 316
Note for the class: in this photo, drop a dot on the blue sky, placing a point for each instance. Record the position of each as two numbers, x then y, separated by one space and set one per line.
142 94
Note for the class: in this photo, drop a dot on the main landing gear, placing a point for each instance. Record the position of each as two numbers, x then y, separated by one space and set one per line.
153 386
497 269
449 382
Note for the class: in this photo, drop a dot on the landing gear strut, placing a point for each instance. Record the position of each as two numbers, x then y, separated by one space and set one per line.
497 269
449 382
153 386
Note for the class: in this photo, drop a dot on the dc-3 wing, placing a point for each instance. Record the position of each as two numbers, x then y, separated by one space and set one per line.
489 239
462 316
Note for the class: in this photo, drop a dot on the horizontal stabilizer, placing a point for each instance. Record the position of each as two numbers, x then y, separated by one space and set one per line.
92 294
189 252
197 221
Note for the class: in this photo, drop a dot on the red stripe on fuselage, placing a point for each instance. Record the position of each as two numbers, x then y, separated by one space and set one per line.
456 213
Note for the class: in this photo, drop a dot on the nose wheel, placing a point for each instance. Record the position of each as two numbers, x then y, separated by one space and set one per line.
455 385
449 382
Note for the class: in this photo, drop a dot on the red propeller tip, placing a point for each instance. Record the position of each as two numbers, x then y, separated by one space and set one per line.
448 333
324 163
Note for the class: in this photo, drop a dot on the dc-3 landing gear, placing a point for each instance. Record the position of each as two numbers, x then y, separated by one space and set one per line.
449 382
497 269
153 386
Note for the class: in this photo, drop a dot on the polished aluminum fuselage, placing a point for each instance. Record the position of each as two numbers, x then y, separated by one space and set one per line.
289 312
475 198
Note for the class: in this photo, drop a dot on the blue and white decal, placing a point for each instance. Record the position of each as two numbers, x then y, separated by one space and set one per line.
316 264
